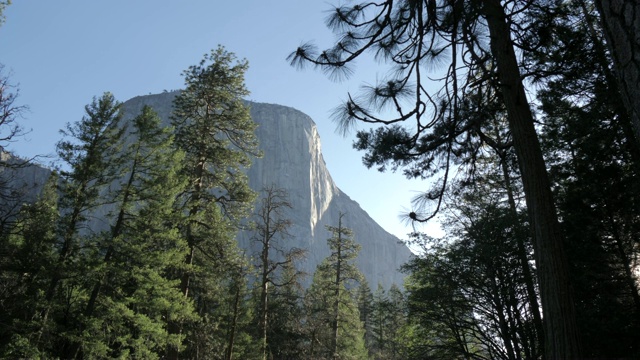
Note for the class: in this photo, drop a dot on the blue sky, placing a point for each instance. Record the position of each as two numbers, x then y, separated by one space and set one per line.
62 53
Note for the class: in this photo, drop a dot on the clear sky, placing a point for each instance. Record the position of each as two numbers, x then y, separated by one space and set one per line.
62 53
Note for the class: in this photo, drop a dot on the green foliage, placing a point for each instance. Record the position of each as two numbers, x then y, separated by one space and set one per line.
320 301
365 308
388 318
273 257
468 293
458 115
343 251
90 150
164 276
131 294
214 129
28 257
101 294
333 321
286 327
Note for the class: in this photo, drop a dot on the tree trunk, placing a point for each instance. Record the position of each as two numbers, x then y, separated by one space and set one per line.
524 261
234 324
264 294
633 141
336 304
557 300
621 23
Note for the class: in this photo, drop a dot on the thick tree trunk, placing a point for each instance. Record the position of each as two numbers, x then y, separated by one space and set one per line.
621 23
557 300
633 141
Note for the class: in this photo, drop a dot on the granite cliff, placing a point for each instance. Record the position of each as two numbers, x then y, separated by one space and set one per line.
292 161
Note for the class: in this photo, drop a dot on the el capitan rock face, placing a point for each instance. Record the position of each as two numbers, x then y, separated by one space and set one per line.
293 161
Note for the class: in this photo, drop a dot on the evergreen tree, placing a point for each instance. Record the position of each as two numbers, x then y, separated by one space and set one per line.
380 319
320 319
271 228
90 152
130 293
470 288
366 308
593 158
398 319
285 333
237 321
214 129
340 265
388 318
335 329
442 317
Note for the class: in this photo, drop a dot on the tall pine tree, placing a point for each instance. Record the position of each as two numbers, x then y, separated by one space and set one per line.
334 321
214 129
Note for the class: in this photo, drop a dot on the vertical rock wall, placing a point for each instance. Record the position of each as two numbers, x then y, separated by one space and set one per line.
293 161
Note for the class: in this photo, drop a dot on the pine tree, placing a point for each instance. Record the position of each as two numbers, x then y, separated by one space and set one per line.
331 300
467 292
340 264
380 321
271 228
90 152
321 317
129 288
398 320
593 160
286 335
388 319
214 129
365 308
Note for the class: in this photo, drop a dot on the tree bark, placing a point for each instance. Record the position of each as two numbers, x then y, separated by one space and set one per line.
557 300
524 260
621 23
